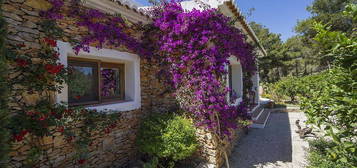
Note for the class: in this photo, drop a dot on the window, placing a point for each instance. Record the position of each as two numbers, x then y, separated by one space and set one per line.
94 82
124 95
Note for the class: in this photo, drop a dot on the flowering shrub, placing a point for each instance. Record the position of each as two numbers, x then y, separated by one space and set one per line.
103 29
195 47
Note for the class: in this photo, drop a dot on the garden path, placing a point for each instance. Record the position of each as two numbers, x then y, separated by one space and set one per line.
275 146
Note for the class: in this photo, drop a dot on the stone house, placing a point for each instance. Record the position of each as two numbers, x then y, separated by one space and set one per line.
139 90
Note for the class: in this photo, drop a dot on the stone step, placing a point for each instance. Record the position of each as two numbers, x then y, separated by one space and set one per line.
257 112
262 119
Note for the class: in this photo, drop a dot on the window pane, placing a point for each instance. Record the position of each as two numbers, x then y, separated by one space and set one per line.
230 79
83 82
111 82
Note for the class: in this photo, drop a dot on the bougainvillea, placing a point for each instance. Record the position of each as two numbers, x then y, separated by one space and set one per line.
109 82
196 47
103 29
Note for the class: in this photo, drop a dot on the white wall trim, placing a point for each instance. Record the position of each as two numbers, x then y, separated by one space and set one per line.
111 7
132 75
237 81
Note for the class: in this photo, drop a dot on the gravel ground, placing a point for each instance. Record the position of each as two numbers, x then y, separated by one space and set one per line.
275 146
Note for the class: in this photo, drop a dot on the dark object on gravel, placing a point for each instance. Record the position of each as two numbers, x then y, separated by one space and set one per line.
303 132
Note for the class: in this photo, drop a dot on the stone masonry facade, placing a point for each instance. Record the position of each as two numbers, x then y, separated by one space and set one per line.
115 149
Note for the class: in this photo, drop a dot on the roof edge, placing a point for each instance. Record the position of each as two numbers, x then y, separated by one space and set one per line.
235 10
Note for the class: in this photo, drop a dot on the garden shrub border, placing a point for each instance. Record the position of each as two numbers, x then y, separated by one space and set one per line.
167 138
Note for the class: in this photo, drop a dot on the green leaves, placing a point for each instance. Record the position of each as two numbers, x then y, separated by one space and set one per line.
167 137
330 102
334 108
325 154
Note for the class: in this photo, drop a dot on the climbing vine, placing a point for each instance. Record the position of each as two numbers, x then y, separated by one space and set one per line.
103 29
196 47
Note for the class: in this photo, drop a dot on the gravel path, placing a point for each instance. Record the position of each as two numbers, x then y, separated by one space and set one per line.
275 146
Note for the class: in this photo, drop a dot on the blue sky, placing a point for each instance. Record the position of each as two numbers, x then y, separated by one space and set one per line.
280 16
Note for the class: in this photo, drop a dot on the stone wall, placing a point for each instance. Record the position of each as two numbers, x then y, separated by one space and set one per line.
114 149
209 147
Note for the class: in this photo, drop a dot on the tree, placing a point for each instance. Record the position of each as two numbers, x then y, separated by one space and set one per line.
269 64
293 57
326 12
298 57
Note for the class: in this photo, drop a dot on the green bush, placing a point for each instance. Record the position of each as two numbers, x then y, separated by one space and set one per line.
284 90
169 137
270 92
289 86
329 99
318 156
332 105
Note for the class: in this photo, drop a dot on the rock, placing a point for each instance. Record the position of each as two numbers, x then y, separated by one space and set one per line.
38 4
24 149
12 9
32 13
19 158
15 38
11 21
28 30
47 140
12 16
58 141
23 6
18 1
31 99
32 18
29 24
33 45
27 36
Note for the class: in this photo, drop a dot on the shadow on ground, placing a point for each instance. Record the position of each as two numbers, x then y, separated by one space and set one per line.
263 146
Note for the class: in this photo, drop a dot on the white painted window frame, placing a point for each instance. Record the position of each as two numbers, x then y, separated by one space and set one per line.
233 61
132 75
